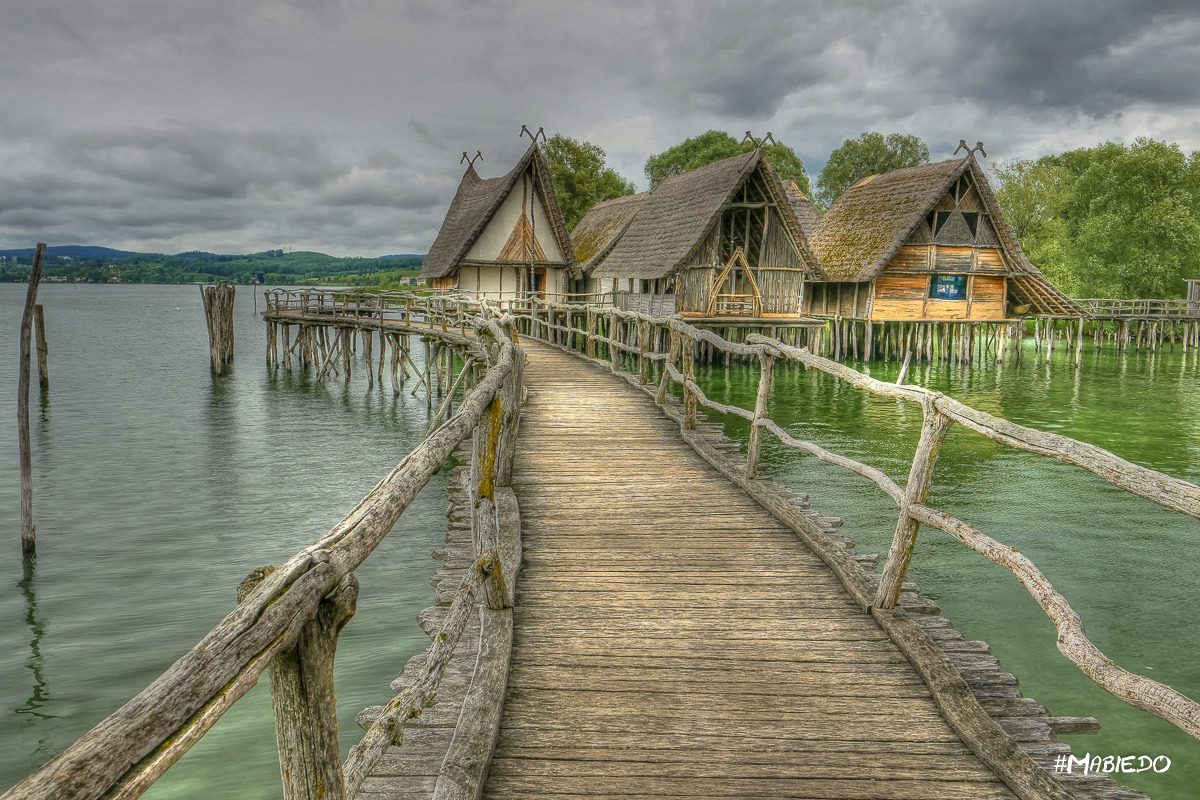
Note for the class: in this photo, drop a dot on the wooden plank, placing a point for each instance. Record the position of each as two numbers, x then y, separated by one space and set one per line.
673 638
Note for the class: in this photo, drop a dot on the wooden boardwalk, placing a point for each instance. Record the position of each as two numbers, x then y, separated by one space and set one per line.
673 639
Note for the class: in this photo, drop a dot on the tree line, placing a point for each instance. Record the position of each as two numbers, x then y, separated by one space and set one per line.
271 266
1113 220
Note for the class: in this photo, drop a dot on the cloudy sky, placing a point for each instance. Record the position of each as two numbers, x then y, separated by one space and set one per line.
337 125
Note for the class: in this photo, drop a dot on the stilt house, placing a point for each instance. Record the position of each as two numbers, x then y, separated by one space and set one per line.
720 241
483 247
926 243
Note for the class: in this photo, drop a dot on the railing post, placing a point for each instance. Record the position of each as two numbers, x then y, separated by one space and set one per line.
766 379
304 700
591 331
666 377
933 431
511 417
643 362
494 589
483 478
689 374
614 328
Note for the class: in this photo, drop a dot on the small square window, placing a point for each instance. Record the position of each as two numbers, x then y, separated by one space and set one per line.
948 287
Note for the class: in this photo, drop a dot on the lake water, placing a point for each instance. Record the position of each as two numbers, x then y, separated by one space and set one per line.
1128 566
157 488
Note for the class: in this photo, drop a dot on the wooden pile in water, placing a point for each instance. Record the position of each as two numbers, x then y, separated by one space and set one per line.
218 312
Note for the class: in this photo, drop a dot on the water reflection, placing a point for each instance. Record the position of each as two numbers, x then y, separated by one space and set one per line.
221 441
40 694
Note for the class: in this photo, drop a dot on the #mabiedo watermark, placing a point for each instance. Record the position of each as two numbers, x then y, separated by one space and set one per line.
1089 764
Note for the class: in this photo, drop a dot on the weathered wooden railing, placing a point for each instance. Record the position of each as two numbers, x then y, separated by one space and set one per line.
1115 308
287 619
639 339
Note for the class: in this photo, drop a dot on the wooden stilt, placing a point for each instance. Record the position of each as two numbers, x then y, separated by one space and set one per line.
28 531
218 312
39 327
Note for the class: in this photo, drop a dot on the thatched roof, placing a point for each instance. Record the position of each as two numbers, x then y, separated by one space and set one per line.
597 233
806 213
869 222
476 202
674 219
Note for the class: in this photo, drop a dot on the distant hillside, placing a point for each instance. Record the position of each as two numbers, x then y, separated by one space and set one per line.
194 266
406 255
84 251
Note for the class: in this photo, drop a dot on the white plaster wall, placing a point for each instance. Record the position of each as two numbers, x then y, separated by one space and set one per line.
544 233
489 244
489 280
467 277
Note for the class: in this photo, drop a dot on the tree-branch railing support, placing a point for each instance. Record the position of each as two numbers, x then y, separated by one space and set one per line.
934 427
287 619
766 381
940 413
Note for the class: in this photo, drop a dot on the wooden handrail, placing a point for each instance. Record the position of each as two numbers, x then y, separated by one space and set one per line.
387 728
940 413
1148 308
127 752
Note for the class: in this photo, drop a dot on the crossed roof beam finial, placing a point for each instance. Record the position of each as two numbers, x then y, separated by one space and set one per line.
472 159
533 136
750 137
978 148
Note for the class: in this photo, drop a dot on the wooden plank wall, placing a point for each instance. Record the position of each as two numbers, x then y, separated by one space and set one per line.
780 290
905 296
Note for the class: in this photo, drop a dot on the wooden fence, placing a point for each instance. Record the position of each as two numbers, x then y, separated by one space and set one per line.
287 619
1109 308
638 338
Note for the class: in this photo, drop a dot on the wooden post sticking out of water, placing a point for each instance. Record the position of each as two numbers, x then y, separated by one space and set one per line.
27 529
218 311
39 329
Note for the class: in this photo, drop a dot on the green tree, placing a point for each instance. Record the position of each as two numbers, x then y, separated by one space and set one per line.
717 145
580 177
1137 214
1035 197
869 154
1109 221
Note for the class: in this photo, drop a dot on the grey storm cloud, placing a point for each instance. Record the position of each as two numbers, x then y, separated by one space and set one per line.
338 125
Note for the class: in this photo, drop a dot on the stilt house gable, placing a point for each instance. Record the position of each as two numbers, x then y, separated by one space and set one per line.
807 214
671 226
869 223
602 227
475 206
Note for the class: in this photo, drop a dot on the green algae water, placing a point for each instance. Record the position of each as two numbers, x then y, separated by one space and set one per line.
157 488
1128 566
